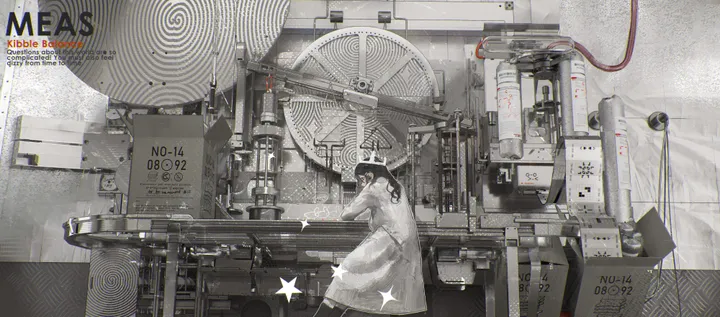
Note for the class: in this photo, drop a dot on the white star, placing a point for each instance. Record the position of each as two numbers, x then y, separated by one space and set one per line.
387 296
304 224
271 156
288 288
338 271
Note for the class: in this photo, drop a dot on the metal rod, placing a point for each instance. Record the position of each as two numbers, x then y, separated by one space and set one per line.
469 179
440 201
267 163
156 285
413 180
458 180
257 166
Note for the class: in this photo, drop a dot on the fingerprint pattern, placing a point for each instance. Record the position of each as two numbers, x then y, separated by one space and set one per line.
113 282
165 50
336 56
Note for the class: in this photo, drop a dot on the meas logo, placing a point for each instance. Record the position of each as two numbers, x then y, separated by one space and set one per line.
44 21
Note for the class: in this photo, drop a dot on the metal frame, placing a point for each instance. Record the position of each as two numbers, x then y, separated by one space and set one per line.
416 15
158 230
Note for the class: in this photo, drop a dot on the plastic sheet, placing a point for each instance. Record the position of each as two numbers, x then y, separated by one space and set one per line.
674 69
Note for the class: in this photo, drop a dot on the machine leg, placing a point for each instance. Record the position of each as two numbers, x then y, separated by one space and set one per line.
171 272
283 306
513 281
535 276
199 294
157 280
490 293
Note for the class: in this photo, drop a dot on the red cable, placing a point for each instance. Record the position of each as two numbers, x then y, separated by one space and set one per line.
585 52
477 50
268 83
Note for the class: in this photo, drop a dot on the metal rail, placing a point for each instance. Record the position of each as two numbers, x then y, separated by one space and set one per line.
154 230
338 90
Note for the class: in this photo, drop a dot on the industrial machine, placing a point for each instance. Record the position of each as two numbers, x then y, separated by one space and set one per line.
229 205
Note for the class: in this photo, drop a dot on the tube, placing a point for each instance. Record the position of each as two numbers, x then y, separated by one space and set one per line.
579 95
616 160
628 50
566 97
509 107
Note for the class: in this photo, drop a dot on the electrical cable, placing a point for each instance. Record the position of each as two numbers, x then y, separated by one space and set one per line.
670 214
477 49
629 49
664 204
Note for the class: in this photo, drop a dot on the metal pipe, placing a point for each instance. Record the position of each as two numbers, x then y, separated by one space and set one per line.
458 191
469 174
413 180
566 97
399 18
156 286
440 200
616 160
327 15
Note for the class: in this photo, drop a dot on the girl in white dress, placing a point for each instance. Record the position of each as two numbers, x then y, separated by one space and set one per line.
384 273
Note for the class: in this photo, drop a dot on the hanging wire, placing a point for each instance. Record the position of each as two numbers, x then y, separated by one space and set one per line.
664 205
668 173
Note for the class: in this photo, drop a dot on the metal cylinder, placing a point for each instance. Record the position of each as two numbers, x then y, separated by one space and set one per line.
567 98
579 95
616 160
509 108
269 109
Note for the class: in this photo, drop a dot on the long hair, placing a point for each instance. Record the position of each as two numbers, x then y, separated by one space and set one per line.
378 171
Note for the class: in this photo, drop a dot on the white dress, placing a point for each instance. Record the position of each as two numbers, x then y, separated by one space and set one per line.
388 260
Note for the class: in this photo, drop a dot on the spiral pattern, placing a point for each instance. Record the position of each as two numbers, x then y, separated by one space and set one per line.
164 50
395 66
113 283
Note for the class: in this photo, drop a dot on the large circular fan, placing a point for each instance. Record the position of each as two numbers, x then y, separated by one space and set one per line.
161 53
369 60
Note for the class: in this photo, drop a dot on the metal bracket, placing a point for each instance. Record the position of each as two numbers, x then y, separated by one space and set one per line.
360 98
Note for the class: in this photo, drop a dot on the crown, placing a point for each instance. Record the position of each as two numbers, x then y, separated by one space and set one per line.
374 159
